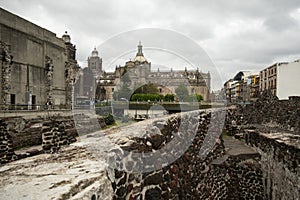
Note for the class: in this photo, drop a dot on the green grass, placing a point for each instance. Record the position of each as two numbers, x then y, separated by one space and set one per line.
224 134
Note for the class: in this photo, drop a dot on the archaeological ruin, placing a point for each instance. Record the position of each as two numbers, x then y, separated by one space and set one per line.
157 159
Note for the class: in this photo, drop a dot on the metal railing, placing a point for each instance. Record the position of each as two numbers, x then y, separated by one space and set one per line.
32 108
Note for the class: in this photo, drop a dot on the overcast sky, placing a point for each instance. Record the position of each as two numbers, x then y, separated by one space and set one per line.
237 35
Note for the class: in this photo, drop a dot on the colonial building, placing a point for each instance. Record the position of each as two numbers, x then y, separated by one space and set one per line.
243 88
137 72
36 66
282 79
268 78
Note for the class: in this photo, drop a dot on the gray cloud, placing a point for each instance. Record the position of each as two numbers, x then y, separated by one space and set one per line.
237 35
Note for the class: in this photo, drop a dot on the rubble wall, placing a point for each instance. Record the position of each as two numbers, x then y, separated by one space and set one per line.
272 127
270 111
193 175
50 132
280 162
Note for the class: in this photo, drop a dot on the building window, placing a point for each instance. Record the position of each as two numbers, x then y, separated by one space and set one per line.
33 100
112 89
12 99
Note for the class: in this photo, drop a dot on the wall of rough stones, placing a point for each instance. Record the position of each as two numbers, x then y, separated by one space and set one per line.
280 162
57 132
272 127
194 175
6 148
269 110
51 132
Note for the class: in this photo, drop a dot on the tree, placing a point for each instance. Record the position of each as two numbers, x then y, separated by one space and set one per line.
199 97
181 92
150 88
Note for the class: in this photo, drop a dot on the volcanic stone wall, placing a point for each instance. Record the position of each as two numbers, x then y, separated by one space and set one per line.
58 132
50 132
270 111
200 169
280 162
272 127
6 148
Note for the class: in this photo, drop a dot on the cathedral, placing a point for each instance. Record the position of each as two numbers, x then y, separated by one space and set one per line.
137 72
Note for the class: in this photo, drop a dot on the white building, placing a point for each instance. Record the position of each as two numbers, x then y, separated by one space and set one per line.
288 80
282 79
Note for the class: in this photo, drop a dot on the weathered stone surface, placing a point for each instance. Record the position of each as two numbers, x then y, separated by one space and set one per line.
279 162
272 127
73 174
189 175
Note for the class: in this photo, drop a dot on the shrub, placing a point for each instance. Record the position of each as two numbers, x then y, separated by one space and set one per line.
169 97
146 97
193 97
109 119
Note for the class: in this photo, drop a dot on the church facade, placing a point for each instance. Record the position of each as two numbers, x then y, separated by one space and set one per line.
137 72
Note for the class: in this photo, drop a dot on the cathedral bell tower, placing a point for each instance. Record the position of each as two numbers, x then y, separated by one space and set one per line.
95 63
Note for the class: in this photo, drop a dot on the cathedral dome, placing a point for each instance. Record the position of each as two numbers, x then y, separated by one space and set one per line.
139 56
95 53
140 59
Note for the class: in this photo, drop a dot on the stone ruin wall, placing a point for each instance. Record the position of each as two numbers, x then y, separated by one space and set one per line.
280 163
268 110
51 132
272 127
191 176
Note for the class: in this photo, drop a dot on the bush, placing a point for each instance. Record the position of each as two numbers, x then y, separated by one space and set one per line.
193 97
169 97
146 97
109 119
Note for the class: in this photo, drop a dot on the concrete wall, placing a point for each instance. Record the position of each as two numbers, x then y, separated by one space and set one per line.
288 82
